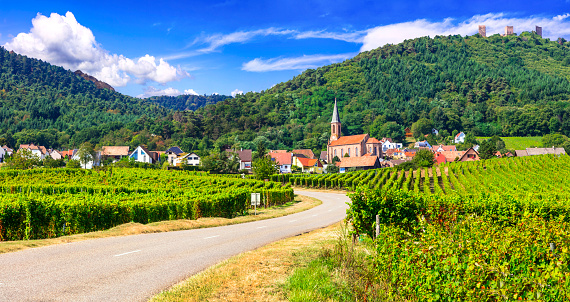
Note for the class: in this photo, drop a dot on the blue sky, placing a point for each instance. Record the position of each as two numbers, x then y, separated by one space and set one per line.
145 48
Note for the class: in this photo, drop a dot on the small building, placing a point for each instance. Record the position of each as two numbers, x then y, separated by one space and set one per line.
359 163
244 156
323 157
422 144
114 152
540 151
7 150
307 153
308 165
408 132
283 160
470 155
2 155
191 159
459 138
452 156
441 148
39 151
388 144
93 161
142 155
55 155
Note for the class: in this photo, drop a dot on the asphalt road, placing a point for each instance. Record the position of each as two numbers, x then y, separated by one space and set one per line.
134 268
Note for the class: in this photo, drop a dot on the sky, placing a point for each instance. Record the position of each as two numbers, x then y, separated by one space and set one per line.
144 48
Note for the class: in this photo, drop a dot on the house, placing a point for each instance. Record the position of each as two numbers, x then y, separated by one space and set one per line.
409 154
7 150
308 165
359 163
422 144
350 146
388 144
434 132
459 138
2 155
283 160
191 159
244 156
307 153
172 155
68 154
540 151
114 152
39 151
93 162
441 148
141 154
323 157
470 155
55 155
440 158
408 132
452 156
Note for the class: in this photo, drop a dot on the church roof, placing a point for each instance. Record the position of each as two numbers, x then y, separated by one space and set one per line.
349 140
335 117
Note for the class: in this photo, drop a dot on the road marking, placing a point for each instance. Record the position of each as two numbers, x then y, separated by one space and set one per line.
315 215
212 237
127 253
261 227
293 220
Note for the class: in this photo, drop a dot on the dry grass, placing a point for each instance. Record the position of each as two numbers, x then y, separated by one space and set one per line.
256 275
302 203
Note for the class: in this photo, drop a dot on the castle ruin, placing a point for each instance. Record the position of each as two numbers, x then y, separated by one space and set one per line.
483 31
539 31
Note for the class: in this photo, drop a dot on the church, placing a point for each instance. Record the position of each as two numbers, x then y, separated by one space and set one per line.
352 145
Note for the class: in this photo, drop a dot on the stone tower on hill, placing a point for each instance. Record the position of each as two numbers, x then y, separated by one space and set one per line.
539 31
483 31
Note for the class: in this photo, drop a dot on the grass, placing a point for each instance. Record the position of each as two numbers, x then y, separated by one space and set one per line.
300 204
519 143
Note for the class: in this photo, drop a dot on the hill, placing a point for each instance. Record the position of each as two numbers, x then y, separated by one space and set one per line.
506 86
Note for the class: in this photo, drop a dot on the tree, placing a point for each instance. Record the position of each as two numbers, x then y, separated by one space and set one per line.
422 127
554 140
73 164
86 153
424 158
392 130
263 168
23 159
487 149
261 150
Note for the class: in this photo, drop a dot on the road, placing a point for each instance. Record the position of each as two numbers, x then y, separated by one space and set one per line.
134 268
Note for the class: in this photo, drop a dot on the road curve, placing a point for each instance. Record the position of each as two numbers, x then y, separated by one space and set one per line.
134 268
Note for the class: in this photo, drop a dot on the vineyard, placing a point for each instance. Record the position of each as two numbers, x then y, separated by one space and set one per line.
46 203
474 231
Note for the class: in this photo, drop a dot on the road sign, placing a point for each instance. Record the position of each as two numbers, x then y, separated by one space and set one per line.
255 199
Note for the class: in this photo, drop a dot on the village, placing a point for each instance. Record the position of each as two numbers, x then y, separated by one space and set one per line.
343 154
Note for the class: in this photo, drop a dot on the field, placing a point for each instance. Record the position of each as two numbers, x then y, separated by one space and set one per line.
519 143
48 203
474 231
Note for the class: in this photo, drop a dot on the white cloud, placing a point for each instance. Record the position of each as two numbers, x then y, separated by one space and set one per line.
191 92
218 40
353 37
236 92
295 63
152 91
62 41
395 33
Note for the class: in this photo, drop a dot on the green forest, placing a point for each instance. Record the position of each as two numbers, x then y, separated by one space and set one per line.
507 86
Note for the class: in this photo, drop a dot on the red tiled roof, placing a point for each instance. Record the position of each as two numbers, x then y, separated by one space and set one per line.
410 154
360 161
308 153
452 155
308 162
440 158
444 147
278 151
282 158
372 140
349 140
115 150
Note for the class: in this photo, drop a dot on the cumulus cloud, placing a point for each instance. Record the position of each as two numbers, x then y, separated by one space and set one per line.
152 91
395 33
62 41
236 92
294 63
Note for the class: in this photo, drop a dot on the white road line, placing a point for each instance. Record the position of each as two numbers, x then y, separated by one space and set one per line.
261 227
315 215
212 237
293 220
127 253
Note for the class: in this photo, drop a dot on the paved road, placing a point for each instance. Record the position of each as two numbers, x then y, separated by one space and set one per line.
134 268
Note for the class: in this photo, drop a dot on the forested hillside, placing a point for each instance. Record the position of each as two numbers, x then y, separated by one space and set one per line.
507 86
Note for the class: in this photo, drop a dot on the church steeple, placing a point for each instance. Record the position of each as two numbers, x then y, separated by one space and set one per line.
335 124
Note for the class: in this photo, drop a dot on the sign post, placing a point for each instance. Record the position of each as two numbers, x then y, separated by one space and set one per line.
255 200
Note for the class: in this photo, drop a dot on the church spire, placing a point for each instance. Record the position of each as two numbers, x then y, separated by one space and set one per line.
335 118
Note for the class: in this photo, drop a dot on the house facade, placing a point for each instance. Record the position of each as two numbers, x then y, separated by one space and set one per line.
359 163
308 165
39 151
459 138
2 155
245 157
141 154
114 152
470 155
93 162
191 159
283 160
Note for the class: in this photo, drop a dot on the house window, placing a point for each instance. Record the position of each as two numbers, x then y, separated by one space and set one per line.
356 152
375 150
348 152
342 152
335 152
370 151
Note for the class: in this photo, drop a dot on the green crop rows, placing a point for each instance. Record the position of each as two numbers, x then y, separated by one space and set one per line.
53 202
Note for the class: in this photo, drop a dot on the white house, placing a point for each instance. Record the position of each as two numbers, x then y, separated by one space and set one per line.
422 144
141 154
2 155
94 162
191 159
7 150
388 144
460 138
55 155
283 160
245 157
39 151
